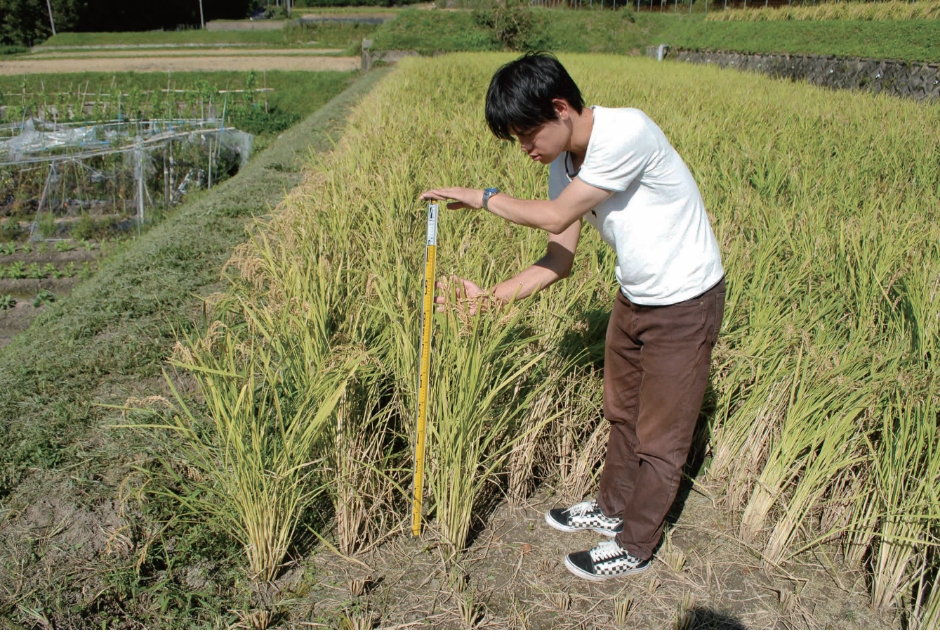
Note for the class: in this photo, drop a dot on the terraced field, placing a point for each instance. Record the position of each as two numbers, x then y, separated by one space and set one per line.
822 401
262 481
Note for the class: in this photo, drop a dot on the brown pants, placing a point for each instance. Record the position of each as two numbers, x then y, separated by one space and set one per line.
655 374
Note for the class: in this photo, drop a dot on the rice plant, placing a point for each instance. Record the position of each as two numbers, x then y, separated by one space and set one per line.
826 206
479 393
892 10
248 463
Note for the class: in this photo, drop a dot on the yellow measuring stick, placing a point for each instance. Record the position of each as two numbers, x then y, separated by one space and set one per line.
430 259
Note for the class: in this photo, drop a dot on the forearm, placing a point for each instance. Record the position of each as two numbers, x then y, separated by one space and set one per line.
537 214
527 282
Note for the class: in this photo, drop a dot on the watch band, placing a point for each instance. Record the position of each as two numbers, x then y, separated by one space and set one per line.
487 194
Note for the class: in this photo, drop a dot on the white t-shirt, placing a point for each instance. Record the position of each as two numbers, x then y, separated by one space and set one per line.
655 220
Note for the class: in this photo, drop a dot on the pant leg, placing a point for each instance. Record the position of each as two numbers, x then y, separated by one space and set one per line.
622 376
675 358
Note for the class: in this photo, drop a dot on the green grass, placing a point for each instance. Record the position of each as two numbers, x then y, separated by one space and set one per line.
574 31
12 50
374 9
328 35
114 330
192 36
429 31
616 32
909 40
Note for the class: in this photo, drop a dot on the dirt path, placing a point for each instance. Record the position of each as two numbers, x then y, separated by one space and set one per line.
173 52
188 63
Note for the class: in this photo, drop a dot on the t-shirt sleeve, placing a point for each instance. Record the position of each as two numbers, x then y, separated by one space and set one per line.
619 154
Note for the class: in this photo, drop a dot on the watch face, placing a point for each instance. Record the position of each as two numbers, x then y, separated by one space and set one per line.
487 193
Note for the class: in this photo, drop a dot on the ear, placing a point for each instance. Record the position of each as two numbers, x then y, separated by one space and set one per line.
562 108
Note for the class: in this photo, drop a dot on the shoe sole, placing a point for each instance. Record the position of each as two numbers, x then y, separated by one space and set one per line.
581 573
554 524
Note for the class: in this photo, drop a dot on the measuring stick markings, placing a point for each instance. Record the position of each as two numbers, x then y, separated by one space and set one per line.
430 259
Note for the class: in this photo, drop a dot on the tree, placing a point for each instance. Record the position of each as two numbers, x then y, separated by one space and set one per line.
28 22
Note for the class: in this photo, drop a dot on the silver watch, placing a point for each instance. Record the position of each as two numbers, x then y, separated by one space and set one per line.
487 194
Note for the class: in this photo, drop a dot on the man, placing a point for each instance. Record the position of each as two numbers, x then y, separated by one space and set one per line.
615 169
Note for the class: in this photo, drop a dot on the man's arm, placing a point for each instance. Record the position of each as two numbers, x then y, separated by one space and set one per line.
554 266
553 216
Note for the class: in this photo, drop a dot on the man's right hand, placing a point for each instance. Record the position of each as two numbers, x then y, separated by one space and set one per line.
468 293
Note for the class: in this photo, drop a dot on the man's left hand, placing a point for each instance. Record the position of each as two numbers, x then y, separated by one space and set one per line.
465 198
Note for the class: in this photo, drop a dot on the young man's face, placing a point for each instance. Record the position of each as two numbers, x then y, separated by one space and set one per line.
547 141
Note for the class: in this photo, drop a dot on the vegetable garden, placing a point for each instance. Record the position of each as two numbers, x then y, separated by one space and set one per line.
89 161
94 155
821 425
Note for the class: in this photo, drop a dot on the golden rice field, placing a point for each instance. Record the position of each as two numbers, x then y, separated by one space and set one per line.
821 425
891 10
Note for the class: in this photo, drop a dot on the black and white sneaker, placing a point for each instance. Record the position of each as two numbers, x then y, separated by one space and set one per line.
584 516
607 560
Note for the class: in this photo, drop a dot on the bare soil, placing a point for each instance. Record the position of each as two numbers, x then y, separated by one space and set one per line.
189 63
514 577
32 286
16 319
58 258
63 530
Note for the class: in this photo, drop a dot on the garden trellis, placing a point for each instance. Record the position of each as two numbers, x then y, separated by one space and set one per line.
103 167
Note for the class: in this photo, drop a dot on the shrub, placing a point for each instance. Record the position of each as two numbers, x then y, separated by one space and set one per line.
510 20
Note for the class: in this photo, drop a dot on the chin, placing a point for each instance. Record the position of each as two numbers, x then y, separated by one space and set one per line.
544 159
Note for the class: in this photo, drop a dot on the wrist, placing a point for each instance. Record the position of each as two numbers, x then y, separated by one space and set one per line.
487 194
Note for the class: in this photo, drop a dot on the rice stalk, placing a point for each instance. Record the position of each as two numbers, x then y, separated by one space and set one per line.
909 441
253 454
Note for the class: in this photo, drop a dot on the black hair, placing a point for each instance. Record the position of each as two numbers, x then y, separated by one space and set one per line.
521 93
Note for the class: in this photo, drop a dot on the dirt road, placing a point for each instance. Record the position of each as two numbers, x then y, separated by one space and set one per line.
171 63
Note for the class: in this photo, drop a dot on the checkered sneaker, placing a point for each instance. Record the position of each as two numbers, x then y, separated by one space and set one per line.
607 560
584 516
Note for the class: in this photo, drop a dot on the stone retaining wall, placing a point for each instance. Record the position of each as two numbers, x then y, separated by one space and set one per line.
909 80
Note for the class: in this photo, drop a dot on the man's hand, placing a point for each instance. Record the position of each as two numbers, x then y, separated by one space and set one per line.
554 216
468 293
465 198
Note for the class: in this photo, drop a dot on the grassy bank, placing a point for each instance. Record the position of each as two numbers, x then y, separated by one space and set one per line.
625 32
330 35
909 40
576 31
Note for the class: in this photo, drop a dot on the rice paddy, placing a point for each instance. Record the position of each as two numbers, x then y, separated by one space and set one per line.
892 10
821 423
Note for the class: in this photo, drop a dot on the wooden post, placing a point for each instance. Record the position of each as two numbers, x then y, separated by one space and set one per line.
51 21
140 187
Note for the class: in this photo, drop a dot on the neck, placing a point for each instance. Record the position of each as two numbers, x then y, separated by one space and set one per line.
582 124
